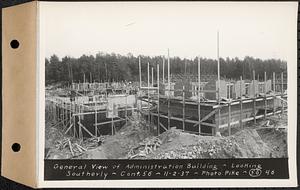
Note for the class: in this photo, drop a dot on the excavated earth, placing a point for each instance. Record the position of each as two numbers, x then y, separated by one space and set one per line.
135 141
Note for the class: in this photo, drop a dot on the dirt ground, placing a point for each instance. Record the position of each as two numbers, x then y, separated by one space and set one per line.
134 141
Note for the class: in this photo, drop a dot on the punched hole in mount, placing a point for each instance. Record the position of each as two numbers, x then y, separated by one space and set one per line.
14 44
16 147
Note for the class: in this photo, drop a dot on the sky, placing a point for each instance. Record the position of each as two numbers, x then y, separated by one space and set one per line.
188 29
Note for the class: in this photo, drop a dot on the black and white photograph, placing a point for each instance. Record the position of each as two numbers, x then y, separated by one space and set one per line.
167 80
154 89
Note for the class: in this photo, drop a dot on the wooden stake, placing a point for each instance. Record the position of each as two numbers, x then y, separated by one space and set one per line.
274 96
163 71
63 114
74 132
158 112
241 104
265 96
79 126
229 117
84 83
140 71
183 107
254 98
169 88
199 98
70 145
169 69
126 109
282 92
112 126
96 120
149 95
152 83
219 85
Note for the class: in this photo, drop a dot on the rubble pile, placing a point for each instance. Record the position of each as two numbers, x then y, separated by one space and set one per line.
178 145
135 141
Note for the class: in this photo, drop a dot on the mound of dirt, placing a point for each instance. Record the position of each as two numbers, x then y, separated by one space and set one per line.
178 145
118 145
276 139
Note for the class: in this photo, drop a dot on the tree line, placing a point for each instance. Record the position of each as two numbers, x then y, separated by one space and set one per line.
114 67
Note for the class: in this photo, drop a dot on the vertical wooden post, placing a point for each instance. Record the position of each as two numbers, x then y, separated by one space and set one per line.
282 92
84 83
183 107
58 112
168 67
152 79
229 118
63 112
74 126
241 104
169 111
140 71
79 121
169 88
158 112
274 88
254 99
91 77
74 122
96 127
148 94
66 113
163 71
265 96
219 85
126 109
112 125
53 111
69 114
199 97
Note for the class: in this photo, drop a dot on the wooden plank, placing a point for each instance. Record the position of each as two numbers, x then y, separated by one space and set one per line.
249 119
163 126
209 115
83 127
71 125
107 122
186 120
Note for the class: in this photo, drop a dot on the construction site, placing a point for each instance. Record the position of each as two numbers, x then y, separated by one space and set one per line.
174 116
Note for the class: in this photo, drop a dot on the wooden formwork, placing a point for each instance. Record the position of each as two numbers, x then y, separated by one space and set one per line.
89 119
186 116
202 116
